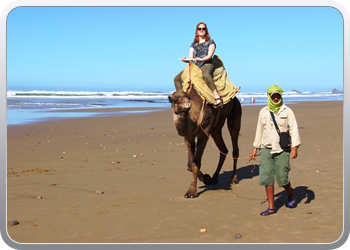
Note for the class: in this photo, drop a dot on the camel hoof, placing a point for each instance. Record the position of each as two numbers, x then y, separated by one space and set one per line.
191 196
234 182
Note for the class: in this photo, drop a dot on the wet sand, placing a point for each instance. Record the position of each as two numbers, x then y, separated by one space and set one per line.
121 179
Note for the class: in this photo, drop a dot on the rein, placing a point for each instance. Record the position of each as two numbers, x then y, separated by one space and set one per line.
200 118
190 84
201 114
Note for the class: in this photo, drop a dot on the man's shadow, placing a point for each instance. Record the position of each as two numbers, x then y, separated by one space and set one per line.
300 193
248 172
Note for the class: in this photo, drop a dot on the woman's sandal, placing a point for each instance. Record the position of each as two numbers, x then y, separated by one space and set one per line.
291 201
269 211
220 104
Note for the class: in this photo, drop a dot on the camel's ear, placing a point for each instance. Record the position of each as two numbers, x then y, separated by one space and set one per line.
170 99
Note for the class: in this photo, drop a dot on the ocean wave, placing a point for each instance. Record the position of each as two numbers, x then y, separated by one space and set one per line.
292 95
36 103
144 94
86 94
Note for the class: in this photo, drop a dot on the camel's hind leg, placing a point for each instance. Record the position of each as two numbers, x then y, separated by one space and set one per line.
219 141
202 140
234 126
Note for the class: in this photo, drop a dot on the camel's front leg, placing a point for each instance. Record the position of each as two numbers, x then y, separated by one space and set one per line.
191 147
192 190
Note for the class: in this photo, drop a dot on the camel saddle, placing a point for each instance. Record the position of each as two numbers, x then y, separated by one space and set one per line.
192 77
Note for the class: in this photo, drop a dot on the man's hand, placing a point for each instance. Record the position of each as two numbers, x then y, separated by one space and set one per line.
294 152
253 154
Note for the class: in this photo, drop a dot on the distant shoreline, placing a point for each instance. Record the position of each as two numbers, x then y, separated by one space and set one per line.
75 113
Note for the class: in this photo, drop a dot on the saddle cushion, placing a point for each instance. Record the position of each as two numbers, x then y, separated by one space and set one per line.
192 73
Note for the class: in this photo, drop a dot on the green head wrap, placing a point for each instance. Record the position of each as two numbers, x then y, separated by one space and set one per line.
273 107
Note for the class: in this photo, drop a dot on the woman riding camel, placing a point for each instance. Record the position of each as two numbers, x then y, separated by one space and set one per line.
202 50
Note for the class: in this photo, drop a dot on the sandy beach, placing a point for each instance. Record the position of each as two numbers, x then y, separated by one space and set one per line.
122 179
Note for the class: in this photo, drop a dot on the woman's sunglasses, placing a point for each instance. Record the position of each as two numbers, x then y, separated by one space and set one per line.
201 29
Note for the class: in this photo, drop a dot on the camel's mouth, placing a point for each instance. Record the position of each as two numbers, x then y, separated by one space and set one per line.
182 108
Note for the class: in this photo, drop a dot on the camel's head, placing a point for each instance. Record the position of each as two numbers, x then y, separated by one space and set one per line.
180 102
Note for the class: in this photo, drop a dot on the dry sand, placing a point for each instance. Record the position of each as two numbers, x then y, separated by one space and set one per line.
138 161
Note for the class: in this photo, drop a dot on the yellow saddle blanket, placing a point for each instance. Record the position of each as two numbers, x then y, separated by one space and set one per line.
223 84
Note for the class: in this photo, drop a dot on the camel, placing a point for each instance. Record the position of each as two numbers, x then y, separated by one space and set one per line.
195 120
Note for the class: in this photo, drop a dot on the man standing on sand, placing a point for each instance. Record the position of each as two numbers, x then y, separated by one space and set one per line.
274 161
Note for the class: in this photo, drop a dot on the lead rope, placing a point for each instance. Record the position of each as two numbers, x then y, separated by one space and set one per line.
201 114
214 145
238 196
199 121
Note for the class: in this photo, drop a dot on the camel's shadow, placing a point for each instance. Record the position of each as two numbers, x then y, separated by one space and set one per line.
248 172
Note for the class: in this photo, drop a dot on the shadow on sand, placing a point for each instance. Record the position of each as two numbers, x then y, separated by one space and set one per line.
248 172
300 193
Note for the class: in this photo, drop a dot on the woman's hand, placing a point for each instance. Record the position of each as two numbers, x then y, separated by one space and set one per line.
198 59
183 59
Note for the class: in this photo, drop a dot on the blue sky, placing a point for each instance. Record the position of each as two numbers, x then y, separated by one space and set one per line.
137 48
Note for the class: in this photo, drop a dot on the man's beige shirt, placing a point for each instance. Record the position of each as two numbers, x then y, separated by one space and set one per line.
266 135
